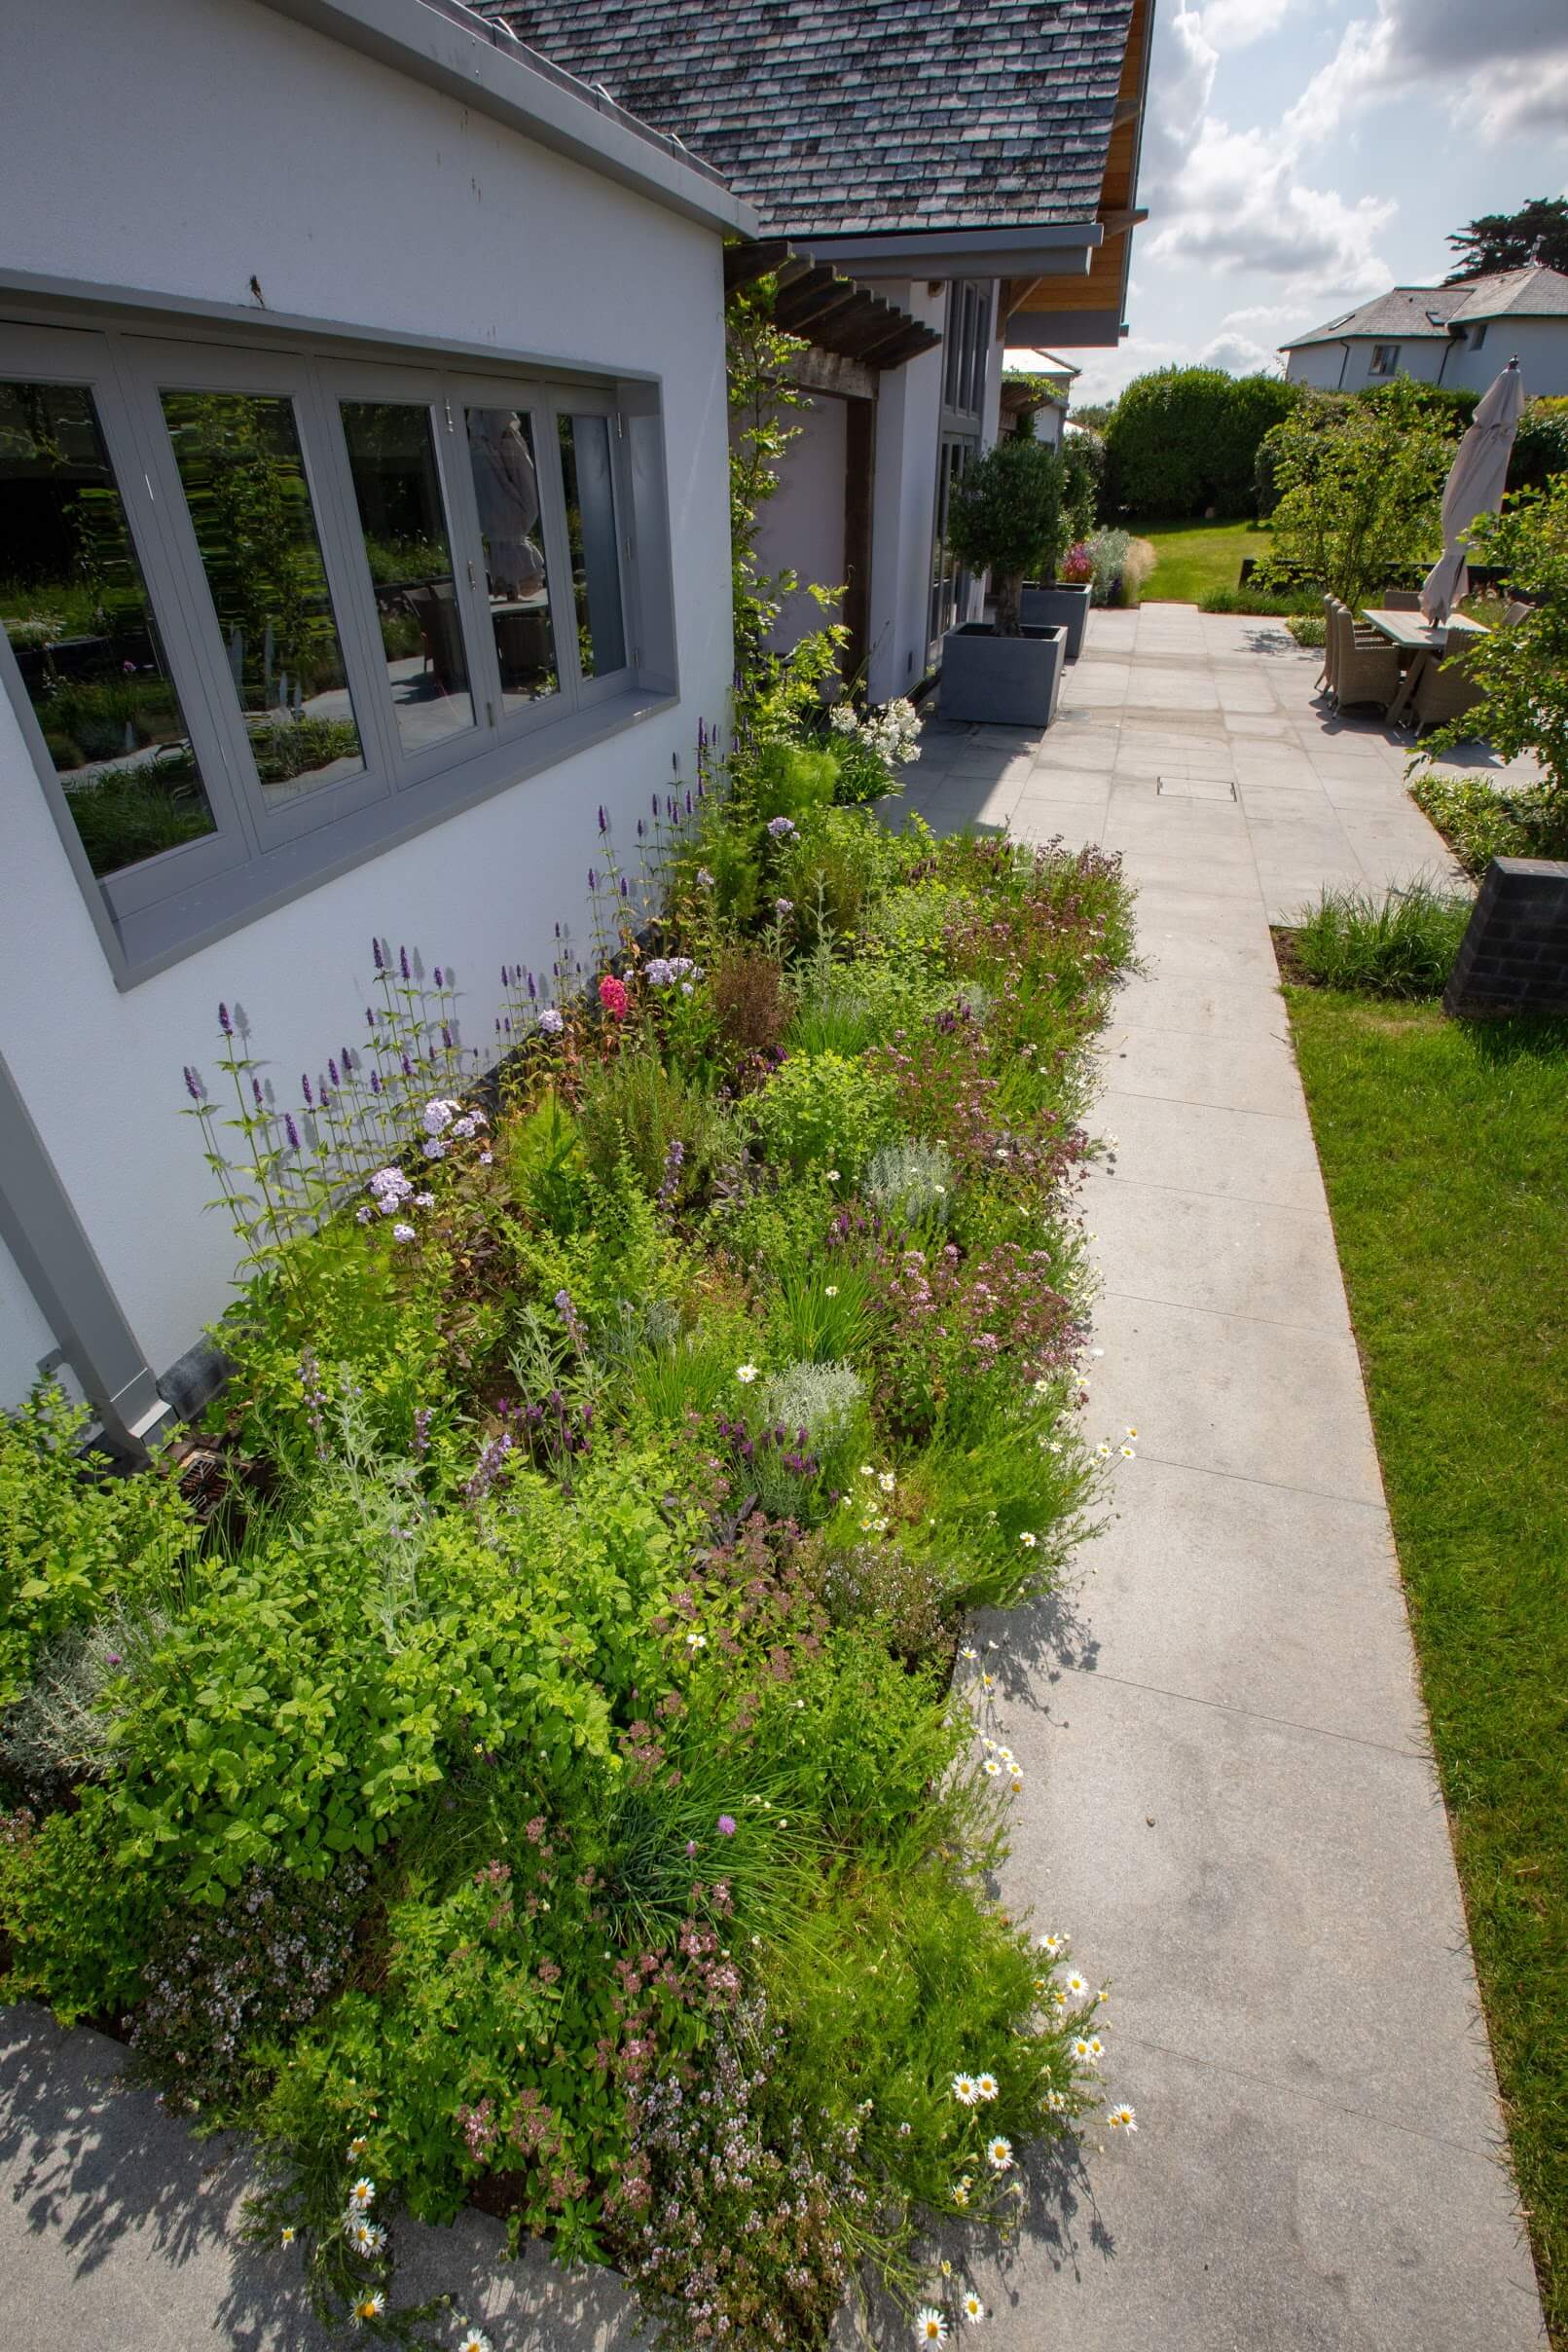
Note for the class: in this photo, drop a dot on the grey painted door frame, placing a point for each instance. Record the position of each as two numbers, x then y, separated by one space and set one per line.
62 1268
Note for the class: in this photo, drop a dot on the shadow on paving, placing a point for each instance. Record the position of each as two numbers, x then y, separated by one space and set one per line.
129 2227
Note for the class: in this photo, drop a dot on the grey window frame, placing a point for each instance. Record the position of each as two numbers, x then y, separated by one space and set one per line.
1388 351
259 857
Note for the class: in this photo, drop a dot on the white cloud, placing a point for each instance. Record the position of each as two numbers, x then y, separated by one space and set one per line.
1237 201
1240 355
1501 68
1234 200
1236 23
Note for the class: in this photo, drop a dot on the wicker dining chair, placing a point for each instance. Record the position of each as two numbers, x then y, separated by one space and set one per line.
1400 599
1360 671
1328 676
1443 693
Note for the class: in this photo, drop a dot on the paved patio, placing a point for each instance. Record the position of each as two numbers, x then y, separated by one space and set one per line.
1231 1805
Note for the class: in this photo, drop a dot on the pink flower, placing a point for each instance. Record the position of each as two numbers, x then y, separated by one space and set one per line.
614 997
726 1825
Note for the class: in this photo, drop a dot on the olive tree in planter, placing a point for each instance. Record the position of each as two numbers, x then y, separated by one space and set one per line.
1051 599
1006 518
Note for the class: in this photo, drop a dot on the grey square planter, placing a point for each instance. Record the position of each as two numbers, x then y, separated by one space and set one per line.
993 681
1058 604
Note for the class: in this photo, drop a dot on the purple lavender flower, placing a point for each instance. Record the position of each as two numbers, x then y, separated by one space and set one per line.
403 963
375 1081
604 821
304 1089
376 951
193 1084
655 807
291 1131
439 982
332 1066
255 1088
224 1022
370 1018
407 1067
532 990
421 1429
446 1035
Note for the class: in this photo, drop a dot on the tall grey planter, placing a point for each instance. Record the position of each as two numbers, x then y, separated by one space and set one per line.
1010 682
1063 604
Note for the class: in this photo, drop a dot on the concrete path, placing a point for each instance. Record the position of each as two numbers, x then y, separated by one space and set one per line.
1230 1802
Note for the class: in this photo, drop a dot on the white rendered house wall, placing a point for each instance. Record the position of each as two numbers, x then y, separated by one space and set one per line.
241 147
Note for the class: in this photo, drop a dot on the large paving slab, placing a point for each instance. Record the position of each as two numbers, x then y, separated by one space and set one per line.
1230 1799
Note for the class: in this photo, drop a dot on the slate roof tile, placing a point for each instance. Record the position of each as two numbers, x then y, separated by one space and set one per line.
868 114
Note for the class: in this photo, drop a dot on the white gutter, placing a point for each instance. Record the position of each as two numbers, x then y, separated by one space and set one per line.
448 48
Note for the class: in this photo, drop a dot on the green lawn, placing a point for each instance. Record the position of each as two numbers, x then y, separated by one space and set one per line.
1444 1149
1197 556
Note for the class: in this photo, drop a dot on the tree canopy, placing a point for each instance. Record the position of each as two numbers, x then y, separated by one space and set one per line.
1183 440
1511 241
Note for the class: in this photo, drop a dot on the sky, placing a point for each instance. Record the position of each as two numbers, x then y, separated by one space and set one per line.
1300 155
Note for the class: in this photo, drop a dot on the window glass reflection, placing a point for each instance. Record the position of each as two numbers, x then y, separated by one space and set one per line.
74 605
243 477
595 557
506 490
393 461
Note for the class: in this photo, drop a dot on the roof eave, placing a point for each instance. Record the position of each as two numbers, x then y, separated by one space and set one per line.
1062 247
447 47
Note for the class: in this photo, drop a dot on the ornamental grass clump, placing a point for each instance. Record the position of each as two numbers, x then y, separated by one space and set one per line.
541 1786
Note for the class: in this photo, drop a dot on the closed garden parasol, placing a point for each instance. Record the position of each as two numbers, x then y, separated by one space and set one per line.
1475 486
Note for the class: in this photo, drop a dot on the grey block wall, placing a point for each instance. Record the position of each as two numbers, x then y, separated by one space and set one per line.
1513 958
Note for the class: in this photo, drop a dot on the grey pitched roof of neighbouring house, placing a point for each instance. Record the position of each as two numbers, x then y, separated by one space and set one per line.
835 116
1413 313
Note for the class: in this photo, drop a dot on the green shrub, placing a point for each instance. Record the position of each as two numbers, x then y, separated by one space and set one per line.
635 1104
1540 444
1309 629
1359 491
1183 440
820 1111
1402 944
74 1537
1480 820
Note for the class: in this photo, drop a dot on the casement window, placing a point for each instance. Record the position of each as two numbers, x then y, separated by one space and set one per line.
269 609
1478 336
1385 359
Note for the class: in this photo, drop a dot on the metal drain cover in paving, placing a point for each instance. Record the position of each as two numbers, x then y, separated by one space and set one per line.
1194 788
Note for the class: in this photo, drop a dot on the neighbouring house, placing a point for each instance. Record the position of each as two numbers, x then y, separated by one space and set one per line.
974 165
1038 385
365 527
1459 335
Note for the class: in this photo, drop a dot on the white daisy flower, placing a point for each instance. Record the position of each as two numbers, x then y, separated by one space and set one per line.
930 2327
357 2146
369 2306
831 1291
969 1654
1078 1985
745 1373
885 1481
988 2087
1053 1945
472 2340
971 2306
1123 2119
1028 1541
696 1641
965 2090
288 2234
999 2153
362 2195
